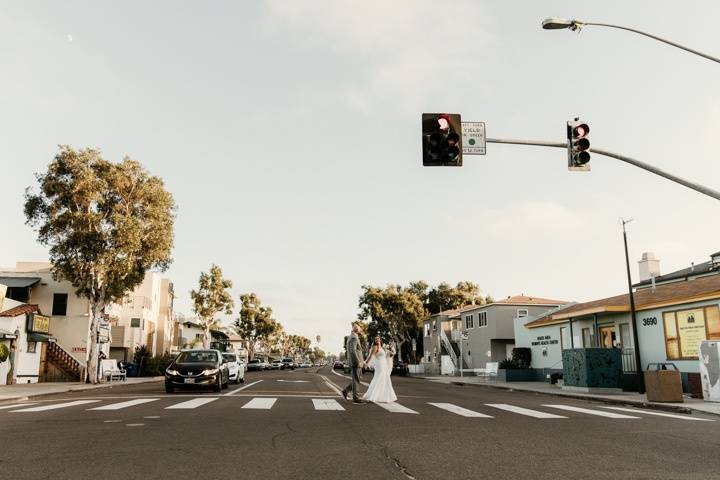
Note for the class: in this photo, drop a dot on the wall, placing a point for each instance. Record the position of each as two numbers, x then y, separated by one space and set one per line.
26 363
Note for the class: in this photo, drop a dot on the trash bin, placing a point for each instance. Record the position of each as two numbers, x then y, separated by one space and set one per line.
662 383
131 369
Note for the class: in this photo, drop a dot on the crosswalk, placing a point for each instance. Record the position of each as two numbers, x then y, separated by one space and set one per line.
488 411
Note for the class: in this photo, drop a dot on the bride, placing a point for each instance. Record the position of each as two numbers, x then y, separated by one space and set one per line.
380 389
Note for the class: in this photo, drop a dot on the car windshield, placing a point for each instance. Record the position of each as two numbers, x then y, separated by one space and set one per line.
197 357
277 361
254 361
229 357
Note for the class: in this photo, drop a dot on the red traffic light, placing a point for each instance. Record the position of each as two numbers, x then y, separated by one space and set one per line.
581 130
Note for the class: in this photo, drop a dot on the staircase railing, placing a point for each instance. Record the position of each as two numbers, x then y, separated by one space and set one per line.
446 343
63 360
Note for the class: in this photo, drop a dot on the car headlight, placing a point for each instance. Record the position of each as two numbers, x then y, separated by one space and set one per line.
171 371
210 371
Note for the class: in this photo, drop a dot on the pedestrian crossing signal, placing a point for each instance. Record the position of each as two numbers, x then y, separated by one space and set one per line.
441 140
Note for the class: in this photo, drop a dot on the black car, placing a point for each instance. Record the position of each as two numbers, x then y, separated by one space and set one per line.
197 369
400 368
255 365
337 366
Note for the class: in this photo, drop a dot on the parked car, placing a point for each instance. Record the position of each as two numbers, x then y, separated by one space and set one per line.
337 366
197 369
255 365
236 368
289 363
265 364
306 364
400 368
277 365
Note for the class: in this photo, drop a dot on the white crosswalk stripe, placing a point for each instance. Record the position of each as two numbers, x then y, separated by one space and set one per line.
395 407
464 412
260 403
326 404
17 405
660 414
599 413
121 405
190 404
55 406
523 411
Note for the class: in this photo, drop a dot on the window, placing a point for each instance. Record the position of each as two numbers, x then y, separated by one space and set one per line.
469 321
32 347
135 322
626 341
427 329
685 329
564 338
482 319
522 312
59 306
588 338
434 324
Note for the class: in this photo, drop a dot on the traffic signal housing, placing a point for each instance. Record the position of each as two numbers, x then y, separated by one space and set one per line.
578 146
442 140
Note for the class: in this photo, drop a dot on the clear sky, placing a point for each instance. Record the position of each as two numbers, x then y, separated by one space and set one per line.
289 134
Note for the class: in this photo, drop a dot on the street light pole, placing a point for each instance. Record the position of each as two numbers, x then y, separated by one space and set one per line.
555 23
638 368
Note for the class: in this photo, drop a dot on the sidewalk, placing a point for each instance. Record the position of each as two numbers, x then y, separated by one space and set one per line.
625 398
26 391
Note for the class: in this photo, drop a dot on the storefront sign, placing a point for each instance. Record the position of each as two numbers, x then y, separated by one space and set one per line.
691 329
38 323
544 340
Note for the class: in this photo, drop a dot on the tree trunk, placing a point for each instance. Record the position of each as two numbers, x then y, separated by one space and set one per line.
206 336
93 353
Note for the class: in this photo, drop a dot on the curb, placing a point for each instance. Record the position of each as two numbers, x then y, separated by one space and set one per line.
77 388
610 401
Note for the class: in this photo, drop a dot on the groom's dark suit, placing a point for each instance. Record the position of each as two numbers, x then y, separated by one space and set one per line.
355 359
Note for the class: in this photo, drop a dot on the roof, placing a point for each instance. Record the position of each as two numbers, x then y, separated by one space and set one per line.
19 281
682 274
695 289
525 300
20 310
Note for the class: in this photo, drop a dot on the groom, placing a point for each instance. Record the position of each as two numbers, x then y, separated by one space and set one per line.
355 360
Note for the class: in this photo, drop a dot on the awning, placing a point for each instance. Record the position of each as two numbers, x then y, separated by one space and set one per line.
6 334
14 282
40 337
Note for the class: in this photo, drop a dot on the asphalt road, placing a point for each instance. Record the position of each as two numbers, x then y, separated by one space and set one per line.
310 432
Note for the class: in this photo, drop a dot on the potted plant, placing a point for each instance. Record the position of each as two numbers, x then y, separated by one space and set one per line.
517 368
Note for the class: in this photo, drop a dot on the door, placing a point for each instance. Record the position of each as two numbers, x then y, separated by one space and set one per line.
607 336
508 349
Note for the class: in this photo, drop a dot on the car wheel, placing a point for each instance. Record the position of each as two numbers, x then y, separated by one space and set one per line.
218 385
242 380
169 388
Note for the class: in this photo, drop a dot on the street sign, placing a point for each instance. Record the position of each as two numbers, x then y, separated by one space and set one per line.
464 335
473 138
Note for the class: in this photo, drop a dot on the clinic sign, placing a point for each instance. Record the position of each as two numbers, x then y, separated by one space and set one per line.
38 323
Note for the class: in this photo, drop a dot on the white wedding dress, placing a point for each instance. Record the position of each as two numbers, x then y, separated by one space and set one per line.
381 389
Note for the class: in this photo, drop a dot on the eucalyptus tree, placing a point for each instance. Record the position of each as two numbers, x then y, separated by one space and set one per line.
211 297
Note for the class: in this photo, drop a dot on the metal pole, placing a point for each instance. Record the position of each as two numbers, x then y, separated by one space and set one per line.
572 340
641 380
645 166
461 354
581 24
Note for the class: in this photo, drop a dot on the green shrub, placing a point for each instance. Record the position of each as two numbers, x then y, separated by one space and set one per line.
4 352
522 357
507 364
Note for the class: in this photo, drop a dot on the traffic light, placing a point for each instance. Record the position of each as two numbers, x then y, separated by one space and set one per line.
441 140
578 146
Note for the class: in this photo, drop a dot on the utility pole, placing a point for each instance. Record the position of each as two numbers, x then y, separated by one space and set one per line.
638 367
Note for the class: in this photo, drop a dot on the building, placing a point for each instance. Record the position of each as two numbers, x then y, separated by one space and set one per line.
674 312
489 328
144 317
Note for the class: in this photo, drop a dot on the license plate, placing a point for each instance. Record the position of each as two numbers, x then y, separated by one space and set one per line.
189 380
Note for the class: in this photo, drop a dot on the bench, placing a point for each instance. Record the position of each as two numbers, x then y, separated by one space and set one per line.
110 370
490 370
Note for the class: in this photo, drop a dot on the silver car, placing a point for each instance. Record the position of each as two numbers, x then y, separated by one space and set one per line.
235 367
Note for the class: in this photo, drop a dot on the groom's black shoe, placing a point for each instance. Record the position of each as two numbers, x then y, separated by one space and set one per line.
344 393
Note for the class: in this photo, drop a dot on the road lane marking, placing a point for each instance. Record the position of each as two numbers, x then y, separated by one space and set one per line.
242 388
121 405
599 413
523 411
331 385
348 378
326 404
395 407
55 406
194 403
134 424
152 416
112 421
17 405
660 414
260 403
459 410
292 381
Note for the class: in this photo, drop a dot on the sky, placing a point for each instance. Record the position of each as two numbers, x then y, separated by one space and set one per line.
289 135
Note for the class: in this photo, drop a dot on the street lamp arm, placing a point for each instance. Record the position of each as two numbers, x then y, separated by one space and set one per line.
579 24
632 161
